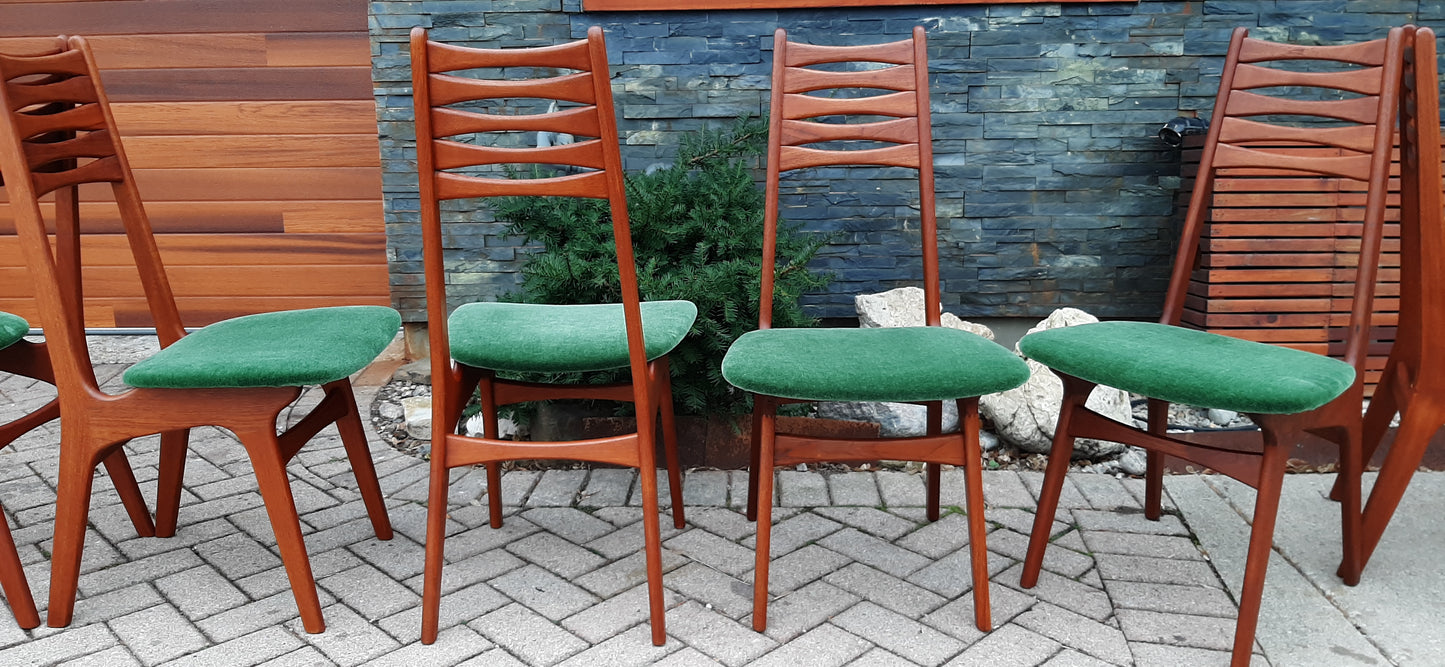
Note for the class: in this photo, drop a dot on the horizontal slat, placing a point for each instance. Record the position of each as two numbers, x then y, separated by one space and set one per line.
231 249
1364 53
455 186
447 89
1354 137
1228 156
119 17
1365 81
795 157
891 104
238 83
454 155
897 77
304 184
901 130
576 121
447 58
351 217
253 151
241 117
1356 110
801 55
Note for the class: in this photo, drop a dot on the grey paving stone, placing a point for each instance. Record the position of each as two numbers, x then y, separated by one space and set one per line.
145 569
349 639
717 636
1077 597
1156 570
1134 544
1075 631
900 489
885 590
556 554
452 646
236 556
630 538
854 488
60 647
472 570
557 488
802 489
799 611
625 573
706 488
956 618
633 647
1008 646
456 607
543 592
664 496
898 634
724 522
399 557
1071 658
114 604
517 485
473 541
712 551
1022 522
157 634
1137 486
115 656
249 618
794 532
1056 558
687 657
528 635
877 657
1069 498
1209 632
250 649
1129 522
370 592
952 575
616 613
720 592
496 657
1156 655
824 646
1104 492
874 521
738 489
186 536
939 538
800 567
1004 488
305 656
608 487
870 550
1171 599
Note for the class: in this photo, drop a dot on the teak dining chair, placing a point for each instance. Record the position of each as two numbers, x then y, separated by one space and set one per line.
56 133
928 364
1286 391
21 357
478 340
1413 382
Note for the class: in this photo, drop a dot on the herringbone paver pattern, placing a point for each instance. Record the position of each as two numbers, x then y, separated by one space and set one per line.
860 576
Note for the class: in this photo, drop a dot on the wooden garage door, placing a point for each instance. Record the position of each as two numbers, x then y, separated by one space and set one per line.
252 130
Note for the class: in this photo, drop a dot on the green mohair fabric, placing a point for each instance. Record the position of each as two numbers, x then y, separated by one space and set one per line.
893 364
1192 367
291 348
12 328
548 338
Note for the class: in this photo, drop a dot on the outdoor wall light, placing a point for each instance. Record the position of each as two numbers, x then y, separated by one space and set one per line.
1174 131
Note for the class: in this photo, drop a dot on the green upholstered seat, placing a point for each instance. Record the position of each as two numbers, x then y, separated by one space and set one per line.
891 364
12 328
284 349
1192 367
561 338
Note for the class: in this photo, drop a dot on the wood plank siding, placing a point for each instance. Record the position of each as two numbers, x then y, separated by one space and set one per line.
1277 260
252 131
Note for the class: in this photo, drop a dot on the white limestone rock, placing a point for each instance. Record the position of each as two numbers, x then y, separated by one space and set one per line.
903 307
417 411
895 420
1026 416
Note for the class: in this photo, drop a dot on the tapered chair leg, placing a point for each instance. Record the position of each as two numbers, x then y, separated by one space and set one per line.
763 471
1383 407
1261 543
353 437
12 579
436 533
169 482
651 527
969 427
669 439
1418 425
1350 520
121 475
754 451
933 472
1154 462
1059 455
275 488
72 506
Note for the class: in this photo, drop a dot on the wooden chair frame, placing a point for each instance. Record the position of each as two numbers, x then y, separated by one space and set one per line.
56 134
1413 382
453 383
911 131
1339 420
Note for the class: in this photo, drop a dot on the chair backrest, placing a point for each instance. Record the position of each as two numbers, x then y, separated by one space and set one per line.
1422 220
1330 115
449 110
57 133
803 93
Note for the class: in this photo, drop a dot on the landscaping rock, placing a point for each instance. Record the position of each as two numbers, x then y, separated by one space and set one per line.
903 307
894 420
415 372
417 410
1026 416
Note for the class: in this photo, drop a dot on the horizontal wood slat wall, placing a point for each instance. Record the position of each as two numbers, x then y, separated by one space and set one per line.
1277 261
252 130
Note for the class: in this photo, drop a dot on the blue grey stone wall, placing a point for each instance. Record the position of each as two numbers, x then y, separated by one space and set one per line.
1052 187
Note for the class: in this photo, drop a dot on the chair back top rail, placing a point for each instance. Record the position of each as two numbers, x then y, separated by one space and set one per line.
798 137
1334 124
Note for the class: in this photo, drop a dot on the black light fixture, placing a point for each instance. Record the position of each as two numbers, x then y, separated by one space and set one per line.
1175 130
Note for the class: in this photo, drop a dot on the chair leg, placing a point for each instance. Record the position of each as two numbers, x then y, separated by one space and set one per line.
933 471
1154 462
169 482
1350 520
12 579
72 506
762 471
1383 406
494 494
121 475
1059 455
651 527
353 437
1418 425
436 533
669 440
754 448
1261 542
275 488
491 431
969 428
